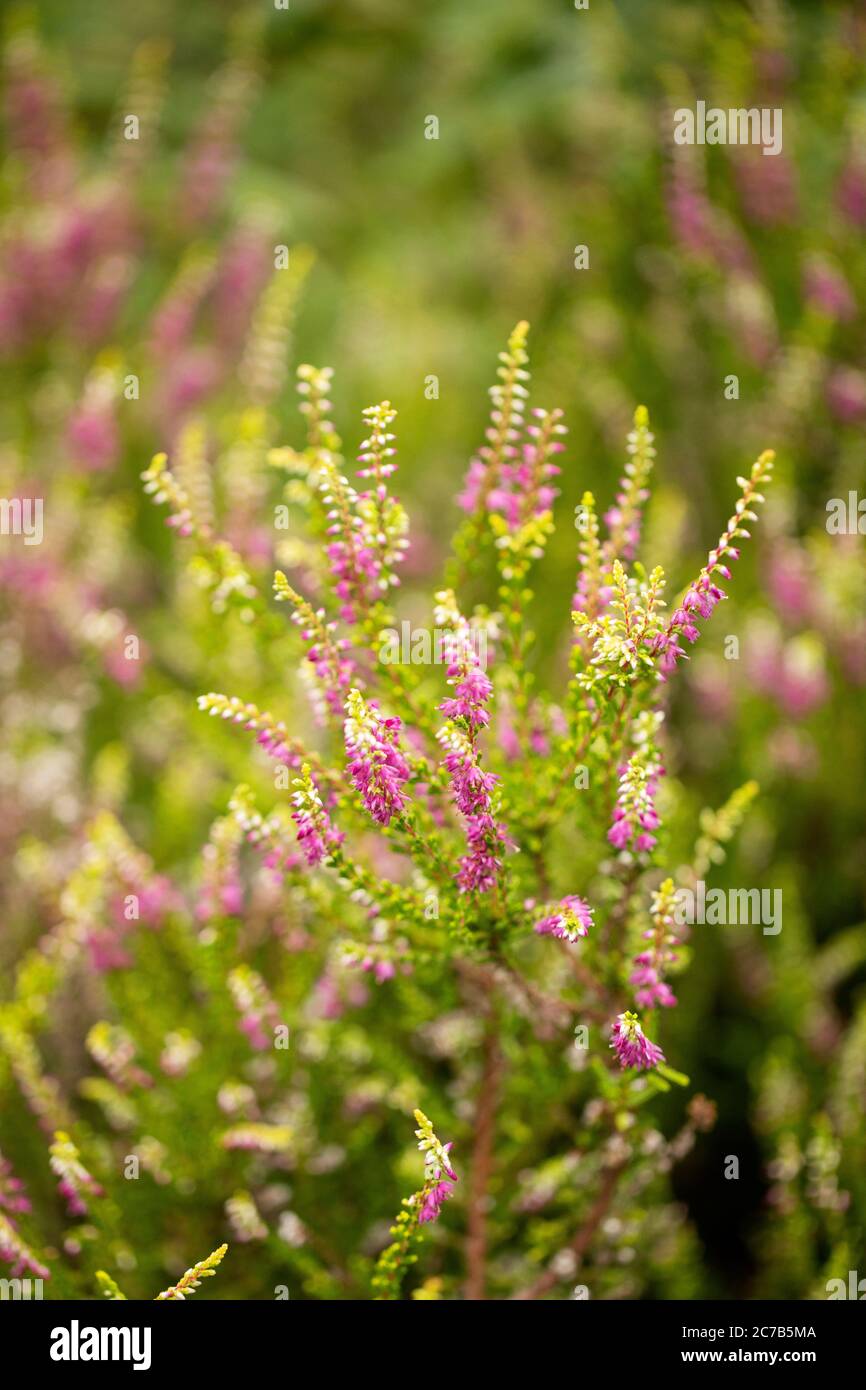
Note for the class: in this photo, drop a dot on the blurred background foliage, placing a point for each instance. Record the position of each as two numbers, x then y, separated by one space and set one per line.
555 131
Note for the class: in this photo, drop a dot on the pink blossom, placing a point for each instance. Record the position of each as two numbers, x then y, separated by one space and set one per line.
15 1252
12 1196
75 1185
791 584
479 869
376 765
316 835
631 1045
259 1015
466 674
328 654
700 599
793 673
471 689
635 815
382 970
651 989
472 786
473 487
523 488
433 1200
571 920
506 736
440 1178
240 278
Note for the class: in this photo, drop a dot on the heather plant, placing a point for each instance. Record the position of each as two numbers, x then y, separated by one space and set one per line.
458 890
442 873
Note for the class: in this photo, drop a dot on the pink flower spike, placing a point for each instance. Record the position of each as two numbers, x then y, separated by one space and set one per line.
704 594
631 1045
439 1174
316 836
634 814
75 1183
433 1199
376 765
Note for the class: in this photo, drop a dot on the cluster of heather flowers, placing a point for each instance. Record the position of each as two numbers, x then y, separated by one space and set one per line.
393 848
472 847
439 1175
14 1202
635 815
632 1046
656 959
240 952
375 764
76 1185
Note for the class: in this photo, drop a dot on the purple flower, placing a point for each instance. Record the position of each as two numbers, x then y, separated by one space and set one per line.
466 675
635 815
704 594
439 1175
376 765
327 653
479 869
93 437
631 1045
523 489
15 1252
472 787
473 487
433 1198
826 288
652 991
316 836
571 920
509 396
472 689
656 959
12 1195
846 394
75 1184
382 969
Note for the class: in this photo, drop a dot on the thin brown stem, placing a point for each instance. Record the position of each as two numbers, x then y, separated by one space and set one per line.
584 1237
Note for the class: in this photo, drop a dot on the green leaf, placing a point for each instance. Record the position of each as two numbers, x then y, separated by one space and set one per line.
676 1077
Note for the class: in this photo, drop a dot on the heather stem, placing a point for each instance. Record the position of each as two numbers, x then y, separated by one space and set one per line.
585 1235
